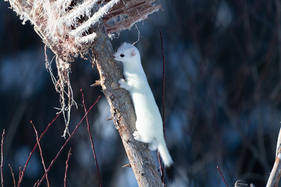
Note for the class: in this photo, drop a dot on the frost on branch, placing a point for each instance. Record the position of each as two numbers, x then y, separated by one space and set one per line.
66 27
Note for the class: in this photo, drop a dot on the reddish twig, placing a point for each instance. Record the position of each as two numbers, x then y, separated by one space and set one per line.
67 140
13 175
163 110
36 183
21 173
2 158
163 84
41 153
161 168
91 138
222 176
66 167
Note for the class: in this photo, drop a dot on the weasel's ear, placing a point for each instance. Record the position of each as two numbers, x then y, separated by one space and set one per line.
133 52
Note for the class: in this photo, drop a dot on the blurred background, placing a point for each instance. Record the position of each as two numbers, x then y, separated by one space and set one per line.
223 96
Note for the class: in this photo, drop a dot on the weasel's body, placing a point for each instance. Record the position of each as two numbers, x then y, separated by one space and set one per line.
149 122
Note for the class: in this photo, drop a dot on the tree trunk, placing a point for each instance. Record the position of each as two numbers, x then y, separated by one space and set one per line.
122 110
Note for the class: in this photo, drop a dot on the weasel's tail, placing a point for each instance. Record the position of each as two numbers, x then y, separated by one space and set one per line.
168 162
164 153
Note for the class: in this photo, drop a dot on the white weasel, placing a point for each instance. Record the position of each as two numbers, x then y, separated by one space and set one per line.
149 122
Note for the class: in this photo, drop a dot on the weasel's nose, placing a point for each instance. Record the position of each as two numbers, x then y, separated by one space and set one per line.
113 56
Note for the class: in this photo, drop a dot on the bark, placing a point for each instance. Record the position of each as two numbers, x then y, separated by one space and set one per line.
122 110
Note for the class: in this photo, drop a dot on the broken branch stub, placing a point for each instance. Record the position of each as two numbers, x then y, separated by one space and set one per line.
124 15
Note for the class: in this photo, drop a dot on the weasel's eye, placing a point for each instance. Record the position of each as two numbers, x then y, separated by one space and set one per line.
122 55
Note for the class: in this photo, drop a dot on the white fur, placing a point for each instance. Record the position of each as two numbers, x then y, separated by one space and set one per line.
149 122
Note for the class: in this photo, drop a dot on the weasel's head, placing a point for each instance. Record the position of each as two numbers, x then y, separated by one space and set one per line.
127 53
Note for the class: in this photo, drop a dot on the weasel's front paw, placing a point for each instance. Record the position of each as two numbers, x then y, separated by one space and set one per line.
124 84
137 136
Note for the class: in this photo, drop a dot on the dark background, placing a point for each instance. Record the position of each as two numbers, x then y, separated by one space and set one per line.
223 84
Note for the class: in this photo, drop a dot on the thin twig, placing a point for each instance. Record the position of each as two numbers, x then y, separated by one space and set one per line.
222 176
21 173
138 35
13 175
66 167
278 144
2 158
67 140
163 84
91 138
41 153
127 166
163 110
